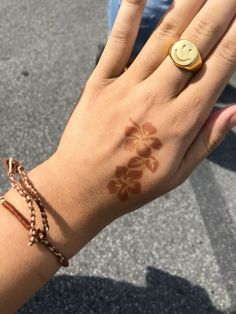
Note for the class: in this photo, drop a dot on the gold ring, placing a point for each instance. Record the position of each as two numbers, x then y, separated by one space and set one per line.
186 55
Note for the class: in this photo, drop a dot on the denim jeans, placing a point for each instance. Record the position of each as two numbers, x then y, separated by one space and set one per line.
152 13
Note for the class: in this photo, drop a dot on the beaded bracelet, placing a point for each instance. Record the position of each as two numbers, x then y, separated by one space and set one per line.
26 189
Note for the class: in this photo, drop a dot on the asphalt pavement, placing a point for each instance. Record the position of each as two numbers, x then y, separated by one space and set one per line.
176 254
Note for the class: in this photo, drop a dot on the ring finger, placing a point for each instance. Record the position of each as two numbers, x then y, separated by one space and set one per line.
205 31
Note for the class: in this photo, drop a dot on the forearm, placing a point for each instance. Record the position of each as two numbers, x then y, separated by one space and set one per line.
129 141
24 269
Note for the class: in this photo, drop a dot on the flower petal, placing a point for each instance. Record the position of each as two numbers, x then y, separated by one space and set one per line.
154 142
123 194
134 187
130 144
133 175
121 172
148 129
132 131
113 186
152 164
136 162
143 150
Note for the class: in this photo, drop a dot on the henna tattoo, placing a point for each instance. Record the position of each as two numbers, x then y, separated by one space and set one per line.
138 162
139 138
125 182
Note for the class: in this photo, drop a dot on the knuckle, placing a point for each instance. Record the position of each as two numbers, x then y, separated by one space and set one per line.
185 117
120 36
95 85
227 51
147 97
168 27
211 140
205 28
121 33
212 143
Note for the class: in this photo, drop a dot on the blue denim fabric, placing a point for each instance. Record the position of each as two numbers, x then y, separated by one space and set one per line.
152 13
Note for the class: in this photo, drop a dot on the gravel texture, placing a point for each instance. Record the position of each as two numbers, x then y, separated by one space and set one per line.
175 255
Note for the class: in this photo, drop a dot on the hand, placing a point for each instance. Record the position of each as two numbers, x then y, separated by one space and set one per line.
133 136
138 134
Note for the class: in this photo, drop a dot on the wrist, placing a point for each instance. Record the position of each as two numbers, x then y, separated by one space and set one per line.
72 225
74 220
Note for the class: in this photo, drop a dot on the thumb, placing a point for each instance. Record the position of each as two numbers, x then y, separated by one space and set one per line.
210 136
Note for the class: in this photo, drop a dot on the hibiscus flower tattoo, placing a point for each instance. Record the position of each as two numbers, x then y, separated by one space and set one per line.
138 162
141 139
125 182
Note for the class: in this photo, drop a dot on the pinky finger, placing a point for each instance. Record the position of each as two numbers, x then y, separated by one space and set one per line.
211 135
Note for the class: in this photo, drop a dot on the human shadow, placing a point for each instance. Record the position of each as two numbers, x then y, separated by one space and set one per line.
163 293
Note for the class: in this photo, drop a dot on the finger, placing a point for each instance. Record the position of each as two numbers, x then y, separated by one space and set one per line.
205 88
121 40
205 31
175 21
219 67
210 136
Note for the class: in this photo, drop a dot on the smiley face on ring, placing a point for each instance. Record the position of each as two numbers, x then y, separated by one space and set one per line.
184 52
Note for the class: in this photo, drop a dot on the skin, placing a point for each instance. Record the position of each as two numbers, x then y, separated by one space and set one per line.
153 96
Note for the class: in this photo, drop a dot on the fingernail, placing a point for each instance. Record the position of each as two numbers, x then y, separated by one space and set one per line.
232 121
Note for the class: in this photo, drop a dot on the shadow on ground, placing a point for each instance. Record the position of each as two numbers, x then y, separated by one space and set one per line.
225 154
163 293
229 95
